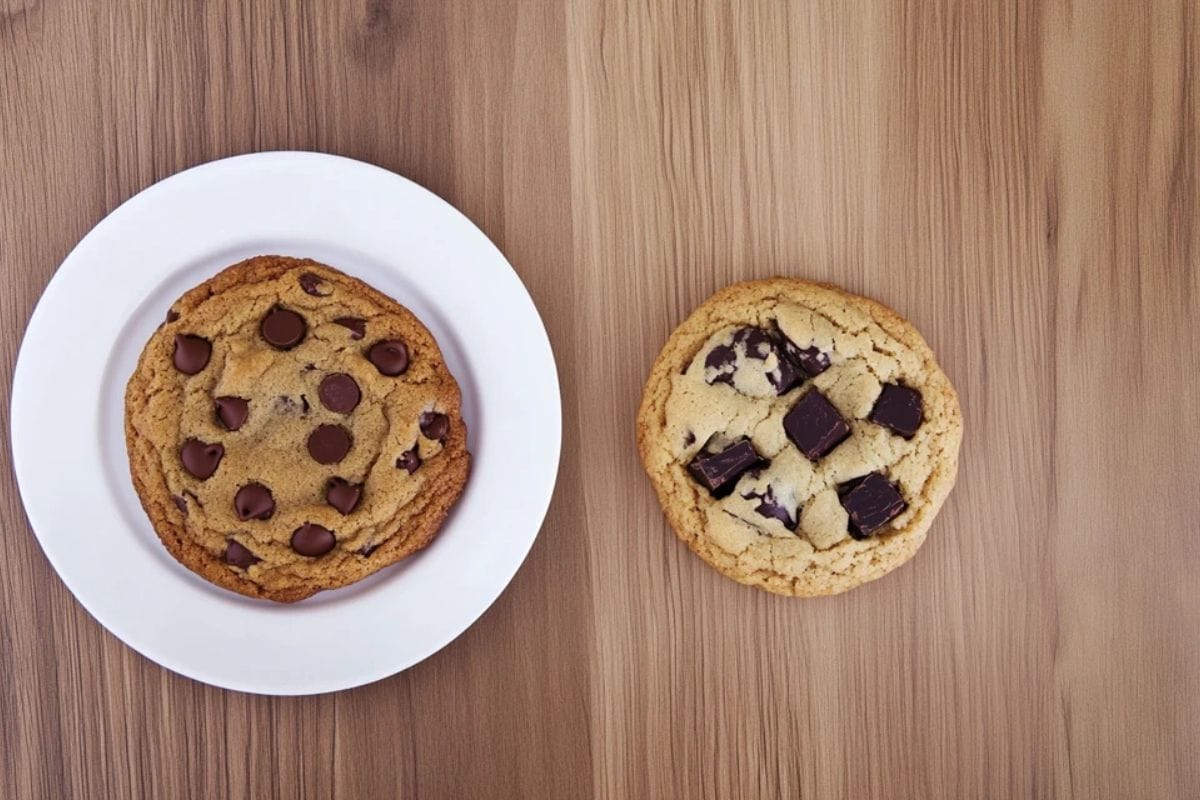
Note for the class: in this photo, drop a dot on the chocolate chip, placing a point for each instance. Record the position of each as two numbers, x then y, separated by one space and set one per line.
172 315
390 357
232 411
357 326
282 328
313 284
237 555
769 507
409 460
721 359
718 472
343 495
899 408
191 353
254 501
758 344
201 459
810 359
339 393
312 540
434 425
814 425
367 549
871 502
180 503
328 444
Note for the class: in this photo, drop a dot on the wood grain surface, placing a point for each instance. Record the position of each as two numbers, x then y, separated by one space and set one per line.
1018 178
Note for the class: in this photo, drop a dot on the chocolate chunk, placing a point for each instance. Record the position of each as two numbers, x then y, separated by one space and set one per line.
283 329
191 353
357 326
409 460
201 459
237 555
172 315
871 502
722 359
758 344
899 408
254 501
769 507
811 360
328 444
312 540
434 425
719 472
390 357
180 503
814 425
343 495
314 284
339 393
232 411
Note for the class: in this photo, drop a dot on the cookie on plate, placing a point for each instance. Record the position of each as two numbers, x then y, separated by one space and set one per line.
291 429
800 438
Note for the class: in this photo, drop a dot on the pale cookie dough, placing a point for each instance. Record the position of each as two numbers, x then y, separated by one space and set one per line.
800 438
290 429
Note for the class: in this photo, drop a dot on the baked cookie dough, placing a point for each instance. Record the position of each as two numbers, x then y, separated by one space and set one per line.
291 429
800 438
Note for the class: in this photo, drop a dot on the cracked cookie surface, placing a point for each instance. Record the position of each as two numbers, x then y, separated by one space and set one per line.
800 438
291 429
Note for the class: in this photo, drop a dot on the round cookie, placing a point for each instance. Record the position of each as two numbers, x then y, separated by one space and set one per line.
800 438
291 429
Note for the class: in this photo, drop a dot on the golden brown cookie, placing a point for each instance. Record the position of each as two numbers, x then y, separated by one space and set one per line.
291 429
800 438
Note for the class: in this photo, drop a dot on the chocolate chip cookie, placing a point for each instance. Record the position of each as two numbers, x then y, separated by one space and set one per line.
800 438
290 429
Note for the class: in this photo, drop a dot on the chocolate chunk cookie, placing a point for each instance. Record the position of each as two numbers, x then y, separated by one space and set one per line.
800 438
279 434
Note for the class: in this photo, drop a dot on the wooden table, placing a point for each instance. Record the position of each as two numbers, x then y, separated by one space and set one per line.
1018 178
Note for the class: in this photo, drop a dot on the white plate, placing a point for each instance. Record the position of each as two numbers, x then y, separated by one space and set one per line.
113 290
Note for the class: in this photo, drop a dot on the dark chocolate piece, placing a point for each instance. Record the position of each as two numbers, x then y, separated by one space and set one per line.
232 412
282 328
871 502
390 357
719 472
312 540
814 425
254 501
339 393
329 444
898 408
409 460
434 425
201 459
237 555
357 326
769 507
313 284
343 495
191 353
